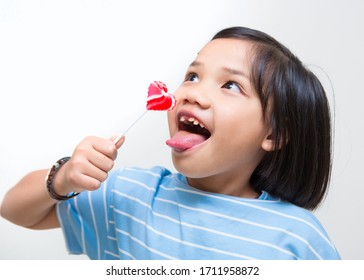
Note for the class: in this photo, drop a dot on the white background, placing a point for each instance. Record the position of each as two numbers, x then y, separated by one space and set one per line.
74 68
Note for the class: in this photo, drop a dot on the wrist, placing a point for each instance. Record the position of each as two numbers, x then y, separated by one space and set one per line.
53 181
59 185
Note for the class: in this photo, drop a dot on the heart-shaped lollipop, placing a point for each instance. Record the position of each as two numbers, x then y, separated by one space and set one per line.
158 100
158 97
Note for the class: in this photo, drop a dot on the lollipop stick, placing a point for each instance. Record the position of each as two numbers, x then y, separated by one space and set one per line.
130 126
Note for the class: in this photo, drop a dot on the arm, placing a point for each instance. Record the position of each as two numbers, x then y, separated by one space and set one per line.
28 204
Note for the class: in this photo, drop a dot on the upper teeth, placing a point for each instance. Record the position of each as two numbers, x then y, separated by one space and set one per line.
190 120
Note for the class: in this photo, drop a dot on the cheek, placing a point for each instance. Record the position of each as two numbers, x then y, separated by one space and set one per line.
171 115
242 125
178 94
171 121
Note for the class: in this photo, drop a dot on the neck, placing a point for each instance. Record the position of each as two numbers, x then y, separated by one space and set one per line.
228 186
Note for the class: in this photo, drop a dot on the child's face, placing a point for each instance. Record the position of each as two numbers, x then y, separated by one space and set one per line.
217 128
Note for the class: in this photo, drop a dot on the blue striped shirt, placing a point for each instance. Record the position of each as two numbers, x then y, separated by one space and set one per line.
154 214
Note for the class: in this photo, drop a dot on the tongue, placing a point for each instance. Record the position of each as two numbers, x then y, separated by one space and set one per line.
184 140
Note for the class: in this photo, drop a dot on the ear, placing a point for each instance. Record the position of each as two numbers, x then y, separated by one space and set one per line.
268 143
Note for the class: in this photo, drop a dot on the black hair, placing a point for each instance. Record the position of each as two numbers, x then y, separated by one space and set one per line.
296 107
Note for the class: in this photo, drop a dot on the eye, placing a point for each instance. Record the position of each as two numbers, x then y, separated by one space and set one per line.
191 77
233 86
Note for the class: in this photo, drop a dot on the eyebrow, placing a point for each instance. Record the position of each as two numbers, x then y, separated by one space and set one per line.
226 69
195 63
236 72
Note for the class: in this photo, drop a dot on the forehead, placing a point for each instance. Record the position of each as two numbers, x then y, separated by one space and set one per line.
227 51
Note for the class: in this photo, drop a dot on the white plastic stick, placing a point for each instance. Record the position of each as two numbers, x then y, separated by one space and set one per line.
130 126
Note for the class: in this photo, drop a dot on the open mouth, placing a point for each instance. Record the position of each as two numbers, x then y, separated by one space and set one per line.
191 132
192 125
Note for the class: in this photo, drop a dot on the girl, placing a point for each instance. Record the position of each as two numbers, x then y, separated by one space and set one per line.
251 140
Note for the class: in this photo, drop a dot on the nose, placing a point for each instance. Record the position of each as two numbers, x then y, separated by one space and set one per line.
195 94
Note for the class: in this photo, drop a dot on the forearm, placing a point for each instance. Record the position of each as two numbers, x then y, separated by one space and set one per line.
28 204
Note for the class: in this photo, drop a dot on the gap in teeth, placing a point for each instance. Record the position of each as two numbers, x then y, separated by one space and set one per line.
190 120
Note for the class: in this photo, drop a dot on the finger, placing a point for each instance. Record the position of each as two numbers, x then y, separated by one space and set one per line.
94 172
83 166
119 141
105 147
101 161
85 182
80 181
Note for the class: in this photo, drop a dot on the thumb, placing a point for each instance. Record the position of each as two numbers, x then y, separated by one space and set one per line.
118 141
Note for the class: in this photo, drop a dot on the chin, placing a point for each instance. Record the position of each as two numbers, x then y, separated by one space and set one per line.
189 170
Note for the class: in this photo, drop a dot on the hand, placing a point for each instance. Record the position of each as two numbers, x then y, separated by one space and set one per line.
89 165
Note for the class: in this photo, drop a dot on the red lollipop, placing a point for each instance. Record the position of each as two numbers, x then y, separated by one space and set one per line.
158 100
158 97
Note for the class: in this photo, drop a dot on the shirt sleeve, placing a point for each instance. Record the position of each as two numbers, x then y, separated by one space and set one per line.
84 220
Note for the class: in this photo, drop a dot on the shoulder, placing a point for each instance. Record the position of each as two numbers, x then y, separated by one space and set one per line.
136 175
303 227
292 216
138 182
156 171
